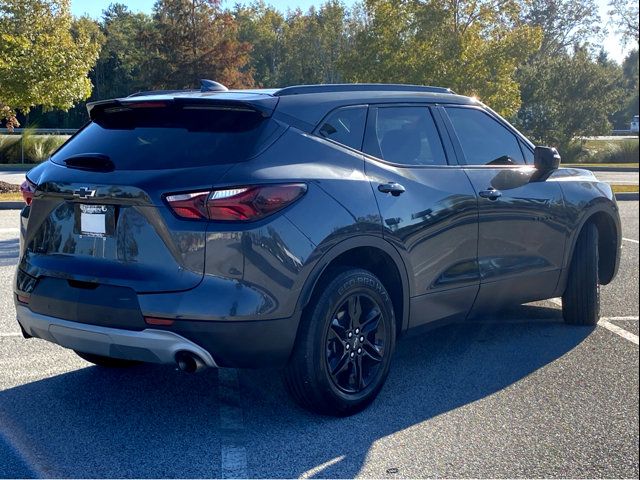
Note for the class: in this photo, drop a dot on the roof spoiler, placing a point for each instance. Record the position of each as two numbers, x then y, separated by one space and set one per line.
265 105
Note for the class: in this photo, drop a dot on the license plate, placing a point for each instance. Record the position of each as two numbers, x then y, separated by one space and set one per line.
95 220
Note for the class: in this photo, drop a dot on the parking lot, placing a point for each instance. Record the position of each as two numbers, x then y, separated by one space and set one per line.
515 395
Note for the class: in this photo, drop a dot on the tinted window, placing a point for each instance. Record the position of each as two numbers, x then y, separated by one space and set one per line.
528 154
345 126
171 137
408 136
483 139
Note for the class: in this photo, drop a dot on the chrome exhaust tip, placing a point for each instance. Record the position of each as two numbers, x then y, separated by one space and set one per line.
189 362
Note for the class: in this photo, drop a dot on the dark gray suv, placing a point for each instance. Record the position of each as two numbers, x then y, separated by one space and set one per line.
306 227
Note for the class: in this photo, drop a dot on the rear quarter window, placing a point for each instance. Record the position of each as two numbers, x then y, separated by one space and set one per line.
345 126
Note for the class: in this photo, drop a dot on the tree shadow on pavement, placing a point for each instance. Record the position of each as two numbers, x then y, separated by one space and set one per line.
154 422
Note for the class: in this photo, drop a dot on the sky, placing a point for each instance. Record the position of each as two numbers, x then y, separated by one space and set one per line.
94 9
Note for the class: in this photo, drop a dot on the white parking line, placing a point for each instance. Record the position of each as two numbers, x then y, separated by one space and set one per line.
233 452
316 471
234 462
630 240
557 301
605 322
9 230
619 331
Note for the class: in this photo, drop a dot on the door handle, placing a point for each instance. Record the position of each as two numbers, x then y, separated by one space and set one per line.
393 188
491 193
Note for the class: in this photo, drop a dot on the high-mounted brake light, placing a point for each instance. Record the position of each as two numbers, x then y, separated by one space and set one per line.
245 203
27 188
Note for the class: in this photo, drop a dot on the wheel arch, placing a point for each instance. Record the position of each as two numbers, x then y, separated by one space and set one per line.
606 220
370 253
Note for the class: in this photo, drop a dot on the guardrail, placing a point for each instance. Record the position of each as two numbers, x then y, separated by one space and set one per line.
42 131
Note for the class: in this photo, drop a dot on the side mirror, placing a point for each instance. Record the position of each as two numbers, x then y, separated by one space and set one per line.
546 159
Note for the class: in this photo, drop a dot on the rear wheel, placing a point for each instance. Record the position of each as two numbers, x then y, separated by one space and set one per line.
581 299
108 362
343 350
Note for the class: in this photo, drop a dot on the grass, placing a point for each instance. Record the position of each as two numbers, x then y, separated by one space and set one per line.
35 148
611 151
624 188
10 197
600 146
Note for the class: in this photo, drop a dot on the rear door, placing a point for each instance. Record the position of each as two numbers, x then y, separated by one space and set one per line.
428 209
521 238
99 214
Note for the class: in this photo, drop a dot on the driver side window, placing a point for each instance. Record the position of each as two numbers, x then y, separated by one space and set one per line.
484 141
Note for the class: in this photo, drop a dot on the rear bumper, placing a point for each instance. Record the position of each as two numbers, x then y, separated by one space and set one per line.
149 345
240 344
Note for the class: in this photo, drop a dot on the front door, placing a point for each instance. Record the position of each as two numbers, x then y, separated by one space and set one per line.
428 208
520 237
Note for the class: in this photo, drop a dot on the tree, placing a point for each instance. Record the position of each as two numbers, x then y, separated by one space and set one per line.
296 48
45 56
262 27
628 106
194 39
624 14
568 95
473 47
564 23
119 70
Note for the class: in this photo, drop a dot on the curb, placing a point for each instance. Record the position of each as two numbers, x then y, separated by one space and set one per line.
627 196
11 205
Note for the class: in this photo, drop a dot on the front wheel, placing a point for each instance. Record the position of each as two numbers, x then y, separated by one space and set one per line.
343 351
581 299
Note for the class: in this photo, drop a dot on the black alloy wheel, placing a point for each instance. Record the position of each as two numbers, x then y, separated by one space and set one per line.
344 345
356 341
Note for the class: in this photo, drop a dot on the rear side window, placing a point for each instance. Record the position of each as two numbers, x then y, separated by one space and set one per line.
407 136
345 126
167 137
484 140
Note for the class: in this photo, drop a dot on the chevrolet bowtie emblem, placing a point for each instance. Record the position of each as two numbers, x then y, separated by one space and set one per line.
84 193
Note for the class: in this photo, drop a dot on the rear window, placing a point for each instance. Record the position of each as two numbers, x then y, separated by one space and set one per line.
171 136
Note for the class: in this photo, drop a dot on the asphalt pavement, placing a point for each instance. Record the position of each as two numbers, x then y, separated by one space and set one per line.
618 178
518 394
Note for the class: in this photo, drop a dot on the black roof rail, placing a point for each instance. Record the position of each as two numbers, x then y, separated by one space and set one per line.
359 87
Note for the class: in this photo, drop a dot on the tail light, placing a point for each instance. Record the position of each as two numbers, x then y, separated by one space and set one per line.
159 321
27 188
236 204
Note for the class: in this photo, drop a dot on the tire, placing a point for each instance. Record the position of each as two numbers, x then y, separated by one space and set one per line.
581 299
107 362
333 370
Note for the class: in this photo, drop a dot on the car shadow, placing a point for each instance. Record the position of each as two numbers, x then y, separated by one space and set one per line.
152 421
